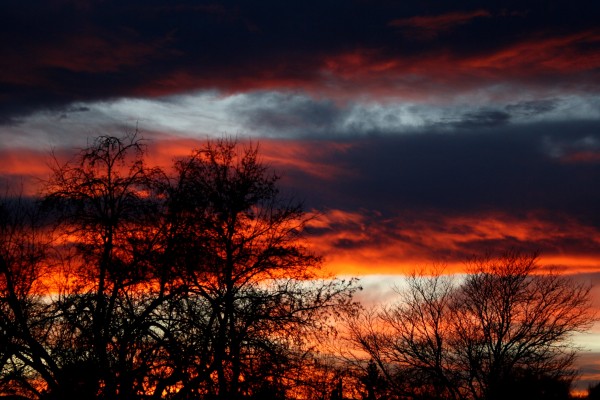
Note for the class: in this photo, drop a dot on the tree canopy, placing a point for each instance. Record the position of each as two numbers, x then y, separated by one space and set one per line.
190 283
127 281
501 332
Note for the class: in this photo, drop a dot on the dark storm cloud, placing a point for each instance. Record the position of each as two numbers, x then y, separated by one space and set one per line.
57 52
511 168
435 236
293 115
440 196
440 22
481 119
429 27
532 107
276 112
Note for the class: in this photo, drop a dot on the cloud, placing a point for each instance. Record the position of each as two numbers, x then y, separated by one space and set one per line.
390 203
111 50
542 53
430 26
286 112
506 168
577 149
532 107
370 242
482 119
380 156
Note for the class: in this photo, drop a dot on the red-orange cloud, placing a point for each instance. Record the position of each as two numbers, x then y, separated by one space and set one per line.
281 155
538 59
359 243
414 76
364 241
565 54
541 57
437 23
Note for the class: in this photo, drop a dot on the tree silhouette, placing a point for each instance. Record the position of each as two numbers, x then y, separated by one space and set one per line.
594 391
373 382
338 390
245 266
500 331
25 355
138 283
130 282
105 208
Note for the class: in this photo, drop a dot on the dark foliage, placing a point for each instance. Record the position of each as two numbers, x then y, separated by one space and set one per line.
594 392
127 282
501 332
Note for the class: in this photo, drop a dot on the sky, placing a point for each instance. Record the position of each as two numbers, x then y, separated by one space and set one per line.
421 131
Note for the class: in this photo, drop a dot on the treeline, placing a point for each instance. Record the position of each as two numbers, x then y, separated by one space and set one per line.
499 332
126 281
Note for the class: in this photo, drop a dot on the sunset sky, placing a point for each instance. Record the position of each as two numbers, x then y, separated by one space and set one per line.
422 131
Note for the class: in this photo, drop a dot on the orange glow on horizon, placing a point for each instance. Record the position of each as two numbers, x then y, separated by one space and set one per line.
354 245
361 266
362 242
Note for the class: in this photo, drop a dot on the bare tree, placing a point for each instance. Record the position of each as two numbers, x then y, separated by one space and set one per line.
107 212
524 316
254 287
196 285
26 326
506 321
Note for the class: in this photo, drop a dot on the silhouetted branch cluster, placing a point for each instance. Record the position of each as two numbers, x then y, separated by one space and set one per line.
500 332
141 283
125 281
